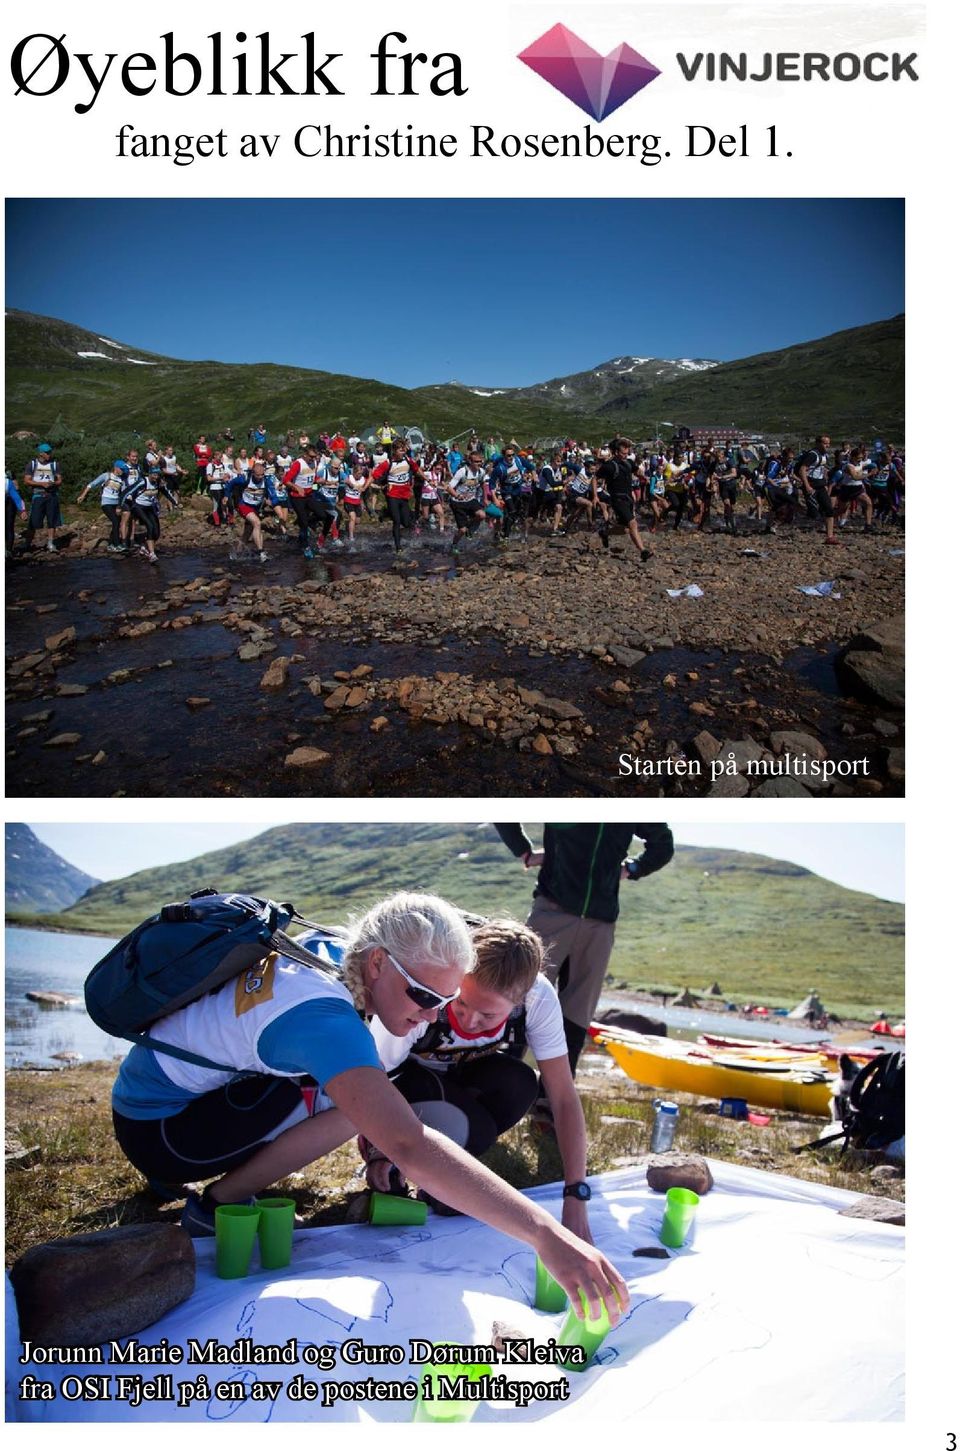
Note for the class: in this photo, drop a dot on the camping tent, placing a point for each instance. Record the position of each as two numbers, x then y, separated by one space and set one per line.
716 991
685 999
810 1004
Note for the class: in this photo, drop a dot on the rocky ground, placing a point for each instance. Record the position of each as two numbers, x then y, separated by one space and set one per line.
552 667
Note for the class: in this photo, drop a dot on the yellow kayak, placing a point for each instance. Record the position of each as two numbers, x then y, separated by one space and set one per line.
667 1063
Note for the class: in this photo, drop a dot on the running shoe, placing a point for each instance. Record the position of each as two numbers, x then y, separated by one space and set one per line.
335 543
263 556
308 553
51 547
198 1221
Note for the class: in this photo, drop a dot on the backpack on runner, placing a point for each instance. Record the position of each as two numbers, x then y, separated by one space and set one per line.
186 950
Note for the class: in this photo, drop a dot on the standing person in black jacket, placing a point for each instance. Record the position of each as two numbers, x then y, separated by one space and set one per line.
616 476
576 904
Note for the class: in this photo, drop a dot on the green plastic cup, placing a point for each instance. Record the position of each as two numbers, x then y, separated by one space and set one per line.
236 1226
548 1294
396 1209
588 1333
447 1410
678 1216
275 1232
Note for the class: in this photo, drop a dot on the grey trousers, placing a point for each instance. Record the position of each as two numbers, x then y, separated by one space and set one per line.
582 943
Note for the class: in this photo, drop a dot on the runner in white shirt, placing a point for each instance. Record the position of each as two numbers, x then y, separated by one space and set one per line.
463 1075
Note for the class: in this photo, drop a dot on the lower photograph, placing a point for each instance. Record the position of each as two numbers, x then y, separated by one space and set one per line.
439 1122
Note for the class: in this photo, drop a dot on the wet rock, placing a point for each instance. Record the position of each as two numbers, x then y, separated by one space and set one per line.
60 640
885 728
621 687
700 707
627 657
729 786
361 672
39 717
307 756
275 675
99 759
197 702
66 738
797 743
135 632
741 753
72 689
91 1288
781 786
679 1171
559 709
541 745
872 664
337 699
379 723
26 663
117 677
897 763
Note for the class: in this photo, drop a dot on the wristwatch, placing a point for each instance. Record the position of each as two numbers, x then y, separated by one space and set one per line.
580 1190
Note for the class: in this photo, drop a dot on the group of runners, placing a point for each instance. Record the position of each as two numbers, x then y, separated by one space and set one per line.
319 489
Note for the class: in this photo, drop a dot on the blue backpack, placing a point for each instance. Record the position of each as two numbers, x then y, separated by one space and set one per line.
186 950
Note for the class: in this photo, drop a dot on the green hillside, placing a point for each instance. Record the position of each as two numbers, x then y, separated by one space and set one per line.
851 382
767 930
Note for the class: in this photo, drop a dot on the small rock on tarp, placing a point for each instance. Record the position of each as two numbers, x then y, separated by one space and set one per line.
679 1171
871 1206
651 1252
109 1285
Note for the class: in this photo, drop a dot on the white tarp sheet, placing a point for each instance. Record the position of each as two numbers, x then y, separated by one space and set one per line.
778 1309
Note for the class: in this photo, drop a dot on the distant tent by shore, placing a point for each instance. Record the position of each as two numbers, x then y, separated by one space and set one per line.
685 999
810 1005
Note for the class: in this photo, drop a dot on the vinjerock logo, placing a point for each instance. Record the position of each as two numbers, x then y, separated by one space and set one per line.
598 84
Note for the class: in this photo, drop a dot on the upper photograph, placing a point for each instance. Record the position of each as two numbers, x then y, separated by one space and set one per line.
439 497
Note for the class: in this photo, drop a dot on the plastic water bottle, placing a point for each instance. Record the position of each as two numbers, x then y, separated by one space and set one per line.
665 1116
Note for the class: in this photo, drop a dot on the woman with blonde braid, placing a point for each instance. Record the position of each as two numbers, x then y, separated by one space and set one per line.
281 1021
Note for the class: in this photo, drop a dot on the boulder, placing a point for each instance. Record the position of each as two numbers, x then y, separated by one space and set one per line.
104 1286
275 675
871 666
729 786
706 747
66 738
72 689
305 756
62 638
797 743
781 786
626 657
679 1171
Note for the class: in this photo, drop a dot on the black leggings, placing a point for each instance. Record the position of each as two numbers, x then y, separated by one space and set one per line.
400 517
112 512
307 512
149 518
492 1094
330 520
217 1132
515 511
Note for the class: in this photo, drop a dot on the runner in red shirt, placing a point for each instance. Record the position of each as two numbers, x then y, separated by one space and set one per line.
203 454
397 474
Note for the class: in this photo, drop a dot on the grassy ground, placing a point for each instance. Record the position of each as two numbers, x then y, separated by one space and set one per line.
81 1182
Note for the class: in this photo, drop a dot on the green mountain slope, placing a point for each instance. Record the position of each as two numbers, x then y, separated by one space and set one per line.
37 879
851 382
766 929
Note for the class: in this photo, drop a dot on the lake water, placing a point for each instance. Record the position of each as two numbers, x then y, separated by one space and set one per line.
58 961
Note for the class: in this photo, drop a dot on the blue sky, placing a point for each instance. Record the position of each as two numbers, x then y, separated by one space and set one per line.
502 293
866 858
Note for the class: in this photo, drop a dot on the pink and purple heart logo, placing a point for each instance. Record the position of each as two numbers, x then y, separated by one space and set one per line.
598 84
